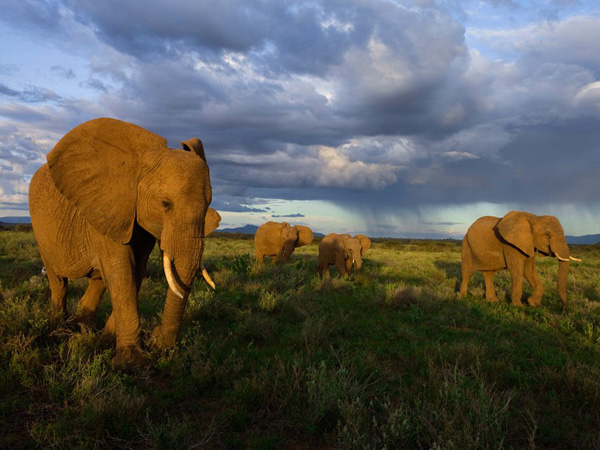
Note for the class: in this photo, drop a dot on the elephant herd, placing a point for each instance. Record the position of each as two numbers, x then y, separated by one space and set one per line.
111 190
279 239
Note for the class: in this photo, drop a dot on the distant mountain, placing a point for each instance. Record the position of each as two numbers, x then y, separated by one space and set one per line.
246 229
251 229
587 239
15 220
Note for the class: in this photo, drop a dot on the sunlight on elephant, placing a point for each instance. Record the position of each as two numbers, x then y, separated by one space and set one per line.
511 242
279 240
109 191
344 251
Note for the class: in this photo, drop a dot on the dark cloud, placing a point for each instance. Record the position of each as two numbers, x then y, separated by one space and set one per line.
5 90
40 16
221 205
443 223
63 72
288 215
31 94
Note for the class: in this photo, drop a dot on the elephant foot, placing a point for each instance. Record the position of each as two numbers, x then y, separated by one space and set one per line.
130 358
84 318
161 339
108 337
109 334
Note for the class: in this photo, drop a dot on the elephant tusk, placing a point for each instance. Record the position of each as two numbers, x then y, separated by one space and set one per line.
167 262
206 276
574 259
560 258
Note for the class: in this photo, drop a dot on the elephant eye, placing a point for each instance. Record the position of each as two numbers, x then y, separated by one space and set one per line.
166 204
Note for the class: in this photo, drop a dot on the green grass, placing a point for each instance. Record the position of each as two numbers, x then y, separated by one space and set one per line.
278 358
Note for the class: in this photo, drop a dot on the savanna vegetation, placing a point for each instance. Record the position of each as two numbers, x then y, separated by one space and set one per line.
278 358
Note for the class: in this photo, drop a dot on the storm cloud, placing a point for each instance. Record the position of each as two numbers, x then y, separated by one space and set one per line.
383 108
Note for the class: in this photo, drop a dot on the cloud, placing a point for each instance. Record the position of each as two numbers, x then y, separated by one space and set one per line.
221 205
288 215
62 71
369 105
30 94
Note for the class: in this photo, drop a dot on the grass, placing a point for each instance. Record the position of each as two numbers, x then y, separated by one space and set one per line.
278 358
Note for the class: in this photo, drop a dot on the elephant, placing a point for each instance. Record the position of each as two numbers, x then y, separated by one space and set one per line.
108 192
344 251
279 240
511 242
88 304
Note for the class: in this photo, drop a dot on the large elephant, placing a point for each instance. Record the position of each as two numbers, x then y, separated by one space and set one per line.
511 242
109 191
280 239
344 251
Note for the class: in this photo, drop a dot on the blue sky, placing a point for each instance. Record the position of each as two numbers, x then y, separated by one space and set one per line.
392 118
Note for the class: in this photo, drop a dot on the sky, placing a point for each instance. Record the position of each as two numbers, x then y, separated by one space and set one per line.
385 117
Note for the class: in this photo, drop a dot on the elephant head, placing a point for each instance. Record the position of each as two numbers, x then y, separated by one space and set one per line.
352 250
293 237
528 233
124 180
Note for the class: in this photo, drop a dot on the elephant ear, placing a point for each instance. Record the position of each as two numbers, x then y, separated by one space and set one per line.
97 166
305 235
211 221
194 145
515 229
365 243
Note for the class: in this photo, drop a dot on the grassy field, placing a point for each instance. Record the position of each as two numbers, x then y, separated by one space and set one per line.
277 358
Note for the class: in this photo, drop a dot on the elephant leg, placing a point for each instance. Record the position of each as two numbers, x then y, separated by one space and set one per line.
119 273
279 256
109 332
535 280
490 293
516 275
86 310
466 273
260 257
340 263
58 292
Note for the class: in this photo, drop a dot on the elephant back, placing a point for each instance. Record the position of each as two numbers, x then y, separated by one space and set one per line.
97 167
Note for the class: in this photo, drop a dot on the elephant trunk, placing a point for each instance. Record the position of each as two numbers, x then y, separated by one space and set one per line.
561 251
357 264
288 249
563 272
183 272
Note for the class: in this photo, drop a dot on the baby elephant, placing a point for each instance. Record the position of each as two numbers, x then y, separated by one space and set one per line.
342 250
279 240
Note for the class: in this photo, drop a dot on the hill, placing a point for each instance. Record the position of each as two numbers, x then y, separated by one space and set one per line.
15 220
246 229
589 239
251 229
